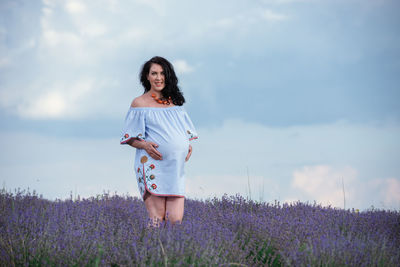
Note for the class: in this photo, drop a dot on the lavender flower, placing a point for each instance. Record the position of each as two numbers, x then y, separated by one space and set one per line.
232 231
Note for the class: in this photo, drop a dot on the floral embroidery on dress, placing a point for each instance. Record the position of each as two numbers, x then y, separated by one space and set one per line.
146 179
192 136
140 182
143 159
126 138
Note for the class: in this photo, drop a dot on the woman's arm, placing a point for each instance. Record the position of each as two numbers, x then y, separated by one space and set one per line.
189 153
150 147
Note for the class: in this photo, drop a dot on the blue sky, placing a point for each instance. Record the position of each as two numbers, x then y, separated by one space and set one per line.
295 96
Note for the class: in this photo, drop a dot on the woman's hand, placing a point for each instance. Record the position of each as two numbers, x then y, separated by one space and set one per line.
189 153
150 148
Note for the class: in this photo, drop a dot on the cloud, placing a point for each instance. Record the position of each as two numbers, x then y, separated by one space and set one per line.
209 186
273 16
50 105
93 29
323 183
72 54
56 166
287 1
75 7
304 163
386 192
54 38
4 62
76 29
88 24
225 23
284 164
158 6
61 100
249 18
79 59
392 191
182 67
49 2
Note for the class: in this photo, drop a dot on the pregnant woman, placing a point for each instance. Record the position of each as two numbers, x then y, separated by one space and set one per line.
159 128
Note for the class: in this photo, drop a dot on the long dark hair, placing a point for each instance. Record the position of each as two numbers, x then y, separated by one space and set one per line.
171 88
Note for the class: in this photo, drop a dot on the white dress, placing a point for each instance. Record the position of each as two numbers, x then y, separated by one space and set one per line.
171 129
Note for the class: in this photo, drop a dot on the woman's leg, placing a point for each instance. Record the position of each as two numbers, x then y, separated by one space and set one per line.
174 209
155 208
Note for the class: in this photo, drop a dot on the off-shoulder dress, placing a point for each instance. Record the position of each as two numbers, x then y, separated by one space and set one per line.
170 128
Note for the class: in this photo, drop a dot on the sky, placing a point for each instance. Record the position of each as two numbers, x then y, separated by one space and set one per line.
293 100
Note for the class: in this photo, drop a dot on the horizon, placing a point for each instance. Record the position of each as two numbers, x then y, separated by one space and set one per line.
73 196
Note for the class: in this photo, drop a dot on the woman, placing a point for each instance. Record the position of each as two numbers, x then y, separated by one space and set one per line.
160 129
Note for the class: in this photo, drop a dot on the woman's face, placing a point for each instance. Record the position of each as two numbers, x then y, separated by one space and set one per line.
156 77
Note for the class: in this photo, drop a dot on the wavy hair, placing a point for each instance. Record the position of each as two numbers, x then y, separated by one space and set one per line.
171 88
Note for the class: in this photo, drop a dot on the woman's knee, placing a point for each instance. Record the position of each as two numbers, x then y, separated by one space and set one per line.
155 206
174 209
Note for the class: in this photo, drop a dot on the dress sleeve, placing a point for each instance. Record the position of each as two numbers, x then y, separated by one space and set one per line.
134 126
189 128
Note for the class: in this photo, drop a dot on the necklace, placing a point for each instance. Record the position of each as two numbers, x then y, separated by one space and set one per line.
160 101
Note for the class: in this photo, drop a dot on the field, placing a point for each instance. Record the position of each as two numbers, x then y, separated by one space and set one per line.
110 230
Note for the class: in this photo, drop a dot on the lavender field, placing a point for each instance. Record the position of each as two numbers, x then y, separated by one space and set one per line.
111 231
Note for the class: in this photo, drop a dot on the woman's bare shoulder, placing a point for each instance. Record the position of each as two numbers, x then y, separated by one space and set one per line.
139 102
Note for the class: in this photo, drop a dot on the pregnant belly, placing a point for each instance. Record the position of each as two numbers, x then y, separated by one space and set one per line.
173 149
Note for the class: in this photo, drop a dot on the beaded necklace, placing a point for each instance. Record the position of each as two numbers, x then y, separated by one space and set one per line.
160 101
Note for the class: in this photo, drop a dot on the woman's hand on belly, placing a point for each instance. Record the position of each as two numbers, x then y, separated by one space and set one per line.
150 148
